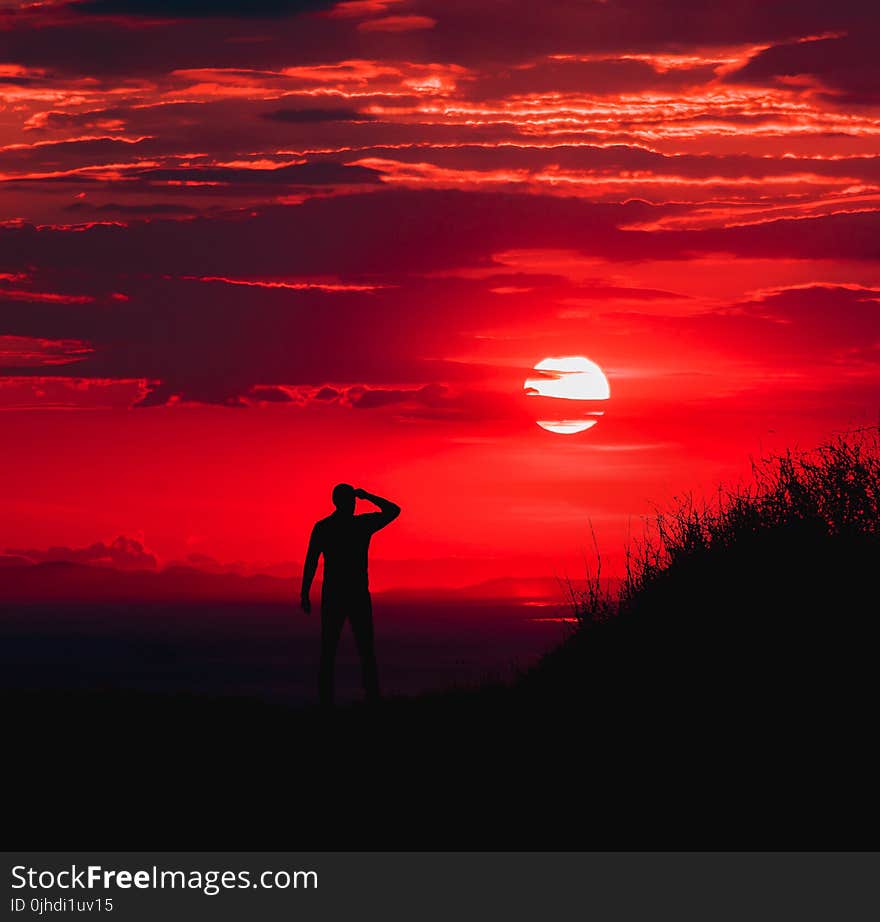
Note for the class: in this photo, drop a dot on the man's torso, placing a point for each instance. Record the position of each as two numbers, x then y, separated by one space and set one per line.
345 543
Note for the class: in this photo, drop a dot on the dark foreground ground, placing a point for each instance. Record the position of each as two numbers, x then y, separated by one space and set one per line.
735 706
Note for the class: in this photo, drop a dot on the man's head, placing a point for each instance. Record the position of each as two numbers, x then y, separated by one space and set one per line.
343 498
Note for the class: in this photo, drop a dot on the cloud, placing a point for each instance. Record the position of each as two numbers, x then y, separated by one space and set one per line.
406 256
400 233
599 75
820 320
61 155
31 352
112 40
363 398
846 66
312 173
148 208
7 560
439 402
396 232
298 174
270 395
309 116
796 330
629 163
229 345
397 24
122 554
199 9
95 36
835 236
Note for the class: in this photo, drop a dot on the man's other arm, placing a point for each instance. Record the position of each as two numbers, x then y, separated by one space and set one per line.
388 511
311 565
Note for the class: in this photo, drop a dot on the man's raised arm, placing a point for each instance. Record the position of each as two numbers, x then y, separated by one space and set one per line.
311 565
388 511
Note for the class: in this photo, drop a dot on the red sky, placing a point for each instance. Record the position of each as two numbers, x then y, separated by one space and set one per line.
252 248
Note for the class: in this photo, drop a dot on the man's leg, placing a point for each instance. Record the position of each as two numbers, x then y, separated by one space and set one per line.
332 620
361 617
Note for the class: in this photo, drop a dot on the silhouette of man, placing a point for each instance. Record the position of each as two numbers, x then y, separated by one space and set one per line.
344 540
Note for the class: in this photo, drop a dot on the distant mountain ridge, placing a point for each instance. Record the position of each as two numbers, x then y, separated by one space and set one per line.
452 576
64 581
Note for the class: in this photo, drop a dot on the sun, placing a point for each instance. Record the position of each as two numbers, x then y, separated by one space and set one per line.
568 387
